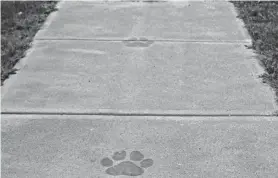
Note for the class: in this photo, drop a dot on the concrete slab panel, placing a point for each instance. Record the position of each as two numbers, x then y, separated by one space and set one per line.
149 147
84 76
193 20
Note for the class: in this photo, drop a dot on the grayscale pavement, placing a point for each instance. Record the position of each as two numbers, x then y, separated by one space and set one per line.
147 89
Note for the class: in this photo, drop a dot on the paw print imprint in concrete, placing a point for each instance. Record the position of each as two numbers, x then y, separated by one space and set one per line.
127 168
141 42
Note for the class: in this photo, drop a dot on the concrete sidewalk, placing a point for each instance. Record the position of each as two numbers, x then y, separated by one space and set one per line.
172 59
151 83
178 147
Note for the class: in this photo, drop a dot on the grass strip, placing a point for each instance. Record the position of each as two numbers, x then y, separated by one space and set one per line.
20 21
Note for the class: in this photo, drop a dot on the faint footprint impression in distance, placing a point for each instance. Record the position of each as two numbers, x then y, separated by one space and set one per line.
138 42
127 168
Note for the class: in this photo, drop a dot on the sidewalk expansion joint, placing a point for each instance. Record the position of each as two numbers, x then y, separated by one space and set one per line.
136 114
155 40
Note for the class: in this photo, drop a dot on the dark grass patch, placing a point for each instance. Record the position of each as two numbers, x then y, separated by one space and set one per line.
261 21
20 21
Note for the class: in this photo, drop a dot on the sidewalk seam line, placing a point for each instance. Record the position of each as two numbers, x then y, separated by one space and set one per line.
162 40
137 114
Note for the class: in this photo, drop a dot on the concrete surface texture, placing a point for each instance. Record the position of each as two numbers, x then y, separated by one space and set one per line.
160 21
95 146
178 70
96 59
81 75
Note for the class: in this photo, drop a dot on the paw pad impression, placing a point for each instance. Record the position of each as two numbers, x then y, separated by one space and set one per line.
127 168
